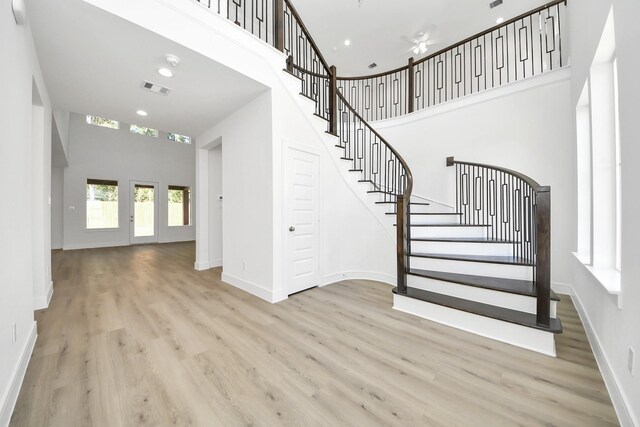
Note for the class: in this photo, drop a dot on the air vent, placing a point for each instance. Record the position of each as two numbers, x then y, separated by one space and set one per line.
495 3
156 88
373 65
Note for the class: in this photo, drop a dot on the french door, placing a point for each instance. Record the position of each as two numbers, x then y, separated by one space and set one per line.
143 215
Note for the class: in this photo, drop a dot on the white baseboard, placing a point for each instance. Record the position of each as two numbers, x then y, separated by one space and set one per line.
618 398
42 301
562 288
254 289
201 266
215 263
9 400
76 246
358 275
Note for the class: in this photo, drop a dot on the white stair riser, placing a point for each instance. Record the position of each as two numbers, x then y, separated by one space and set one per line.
463 248
453 232
510 333
523 303
506 271
425 208
435 219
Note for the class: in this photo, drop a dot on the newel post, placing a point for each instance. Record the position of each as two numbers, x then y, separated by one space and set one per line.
278 24
411 95
333 100
543 256
401 238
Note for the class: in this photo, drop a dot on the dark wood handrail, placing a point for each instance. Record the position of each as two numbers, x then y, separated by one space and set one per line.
460 43
307 34
530 181
404 164
541 236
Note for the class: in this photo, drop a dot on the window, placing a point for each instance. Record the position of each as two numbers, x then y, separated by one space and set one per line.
598 138
105 123
179 206
142 130
102 204
179 138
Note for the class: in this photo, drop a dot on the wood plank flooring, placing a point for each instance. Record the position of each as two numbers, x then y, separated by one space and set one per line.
135 336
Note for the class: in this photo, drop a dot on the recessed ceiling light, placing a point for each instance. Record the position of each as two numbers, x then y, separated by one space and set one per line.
142 113
347 42
165 72
500 20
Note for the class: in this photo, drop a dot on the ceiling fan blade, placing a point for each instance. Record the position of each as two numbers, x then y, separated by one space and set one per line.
409 39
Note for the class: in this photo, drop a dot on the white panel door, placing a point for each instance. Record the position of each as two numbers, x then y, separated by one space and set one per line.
303 203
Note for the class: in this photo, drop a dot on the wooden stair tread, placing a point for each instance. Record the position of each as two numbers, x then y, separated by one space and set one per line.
481 309
435 213
476 258
519 287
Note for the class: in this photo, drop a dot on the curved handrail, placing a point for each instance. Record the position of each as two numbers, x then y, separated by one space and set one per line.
458 44
517 209
409 175
528 45
307 34
530 181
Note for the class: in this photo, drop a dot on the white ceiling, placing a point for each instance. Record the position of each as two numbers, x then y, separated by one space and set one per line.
375 27
95 63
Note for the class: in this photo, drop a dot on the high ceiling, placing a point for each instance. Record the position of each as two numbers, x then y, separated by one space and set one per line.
95 63
375 27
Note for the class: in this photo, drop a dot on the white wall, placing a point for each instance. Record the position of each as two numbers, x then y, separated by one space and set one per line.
19 154
215 206
102 153
613 330
247 237
526 127
57 208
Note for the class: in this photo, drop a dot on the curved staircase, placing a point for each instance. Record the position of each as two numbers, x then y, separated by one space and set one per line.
484 266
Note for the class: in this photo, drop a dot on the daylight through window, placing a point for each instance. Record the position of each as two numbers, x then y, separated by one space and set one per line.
102 204
179 206
105 123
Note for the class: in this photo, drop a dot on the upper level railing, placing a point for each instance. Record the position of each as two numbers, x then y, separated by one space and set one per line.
525 46
518 211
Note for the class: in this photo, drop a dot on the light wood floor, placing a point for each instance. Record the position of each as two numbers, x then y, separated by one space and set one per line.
135 336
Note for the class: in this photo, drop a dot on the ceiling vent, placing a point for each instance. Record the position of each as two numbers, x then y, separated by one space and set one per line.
495 3
373 65
156 88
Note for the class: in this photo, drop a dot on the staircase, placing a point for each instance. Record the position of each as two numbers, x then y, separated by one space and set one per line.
484 266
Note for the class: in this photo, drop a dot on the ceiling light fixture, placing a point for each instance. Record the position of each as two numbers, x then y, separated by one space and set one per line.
165 72
19 11
142 113
500 20
172 60
347 42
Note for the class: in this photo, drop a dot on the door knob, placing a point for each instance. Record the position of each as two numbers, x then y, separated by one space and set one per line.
292 228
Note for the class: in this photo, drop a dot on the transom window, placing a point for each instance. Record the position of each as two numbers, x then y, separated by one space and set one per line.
179 138
143 130
100 121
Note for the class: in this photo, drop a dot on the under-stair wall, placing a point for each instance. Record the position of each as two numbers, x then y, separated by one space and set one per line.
525 126
356 239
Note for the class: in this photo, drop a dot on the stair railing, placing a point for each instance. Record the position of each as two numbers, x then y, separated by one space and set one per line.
525 46
517 210
278 23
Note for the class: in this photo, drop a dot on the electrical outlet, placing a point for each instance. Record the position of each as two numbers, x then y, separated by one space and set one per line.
244 265
14 333
632 361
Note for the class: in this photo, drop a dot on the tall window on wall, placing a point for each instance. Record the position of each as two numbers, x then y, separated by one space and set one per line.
179 206
102 204
599 166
